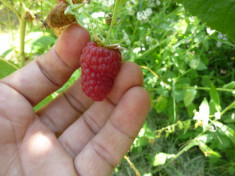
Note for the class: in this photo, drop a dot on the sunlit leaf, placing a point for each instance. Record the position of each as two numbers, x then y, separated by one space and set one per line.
161 158
230 85
6 68
204 112
217 14
230 118
5 53
205 138
226 130
122 1
43 102
208 151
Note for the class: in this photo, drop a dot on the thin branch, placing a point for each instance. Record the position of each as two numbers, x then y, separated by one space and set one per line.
137 172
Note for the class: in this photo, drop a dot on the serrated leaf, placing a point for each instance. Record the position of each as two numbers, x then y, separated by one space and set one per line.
189 96
217 14
215 97
161 158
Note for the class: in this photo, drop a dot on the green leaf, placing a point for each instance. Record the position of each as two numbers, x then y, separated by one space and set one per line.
44 41
207 150
189 96
5 53
122 2
190 109
204 112
43 102
197 65
161 103
161 158
226 130
204 108
178 95
230 85
6 68
212 106
230 118
186 124
217 14
215 97
205 138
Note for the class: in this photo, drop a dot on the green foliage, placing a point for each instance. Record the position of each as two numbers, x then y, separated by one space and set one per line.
188 70
219 15
189 96
6 68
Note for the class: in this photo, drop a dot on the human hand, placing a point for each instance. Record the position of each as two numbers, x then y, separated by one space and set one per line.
72 135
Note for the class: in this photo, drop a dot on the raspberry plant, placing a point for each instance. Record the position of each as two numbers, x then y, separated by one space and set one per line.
188 69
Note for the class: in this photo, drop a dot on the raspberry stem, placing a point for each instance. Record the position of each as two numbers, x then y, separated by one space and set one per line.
112 22
72 7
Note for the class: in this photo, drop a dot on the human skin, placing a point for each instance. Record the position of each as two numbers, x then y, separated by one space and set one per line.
72 135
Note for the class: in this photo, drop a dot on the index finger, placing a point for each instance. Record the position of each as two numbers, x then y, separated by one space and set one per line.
50 71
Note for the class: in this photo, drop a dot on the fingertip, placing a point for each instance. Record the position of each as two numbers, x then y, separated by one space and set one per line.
70 44
132 111
130 75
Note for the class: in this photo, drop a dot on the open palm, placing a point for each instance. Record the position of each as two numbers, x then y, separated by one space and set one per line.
72 135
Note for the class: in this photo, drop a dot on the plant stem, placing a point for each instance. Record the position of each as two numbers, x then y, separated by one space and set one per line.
228 108
137 172
22 21
207 89
22 39
112 22
174 102
155 74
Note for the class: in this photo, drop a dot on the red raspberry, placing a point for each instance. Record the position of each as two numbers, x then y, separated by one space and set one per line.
99 66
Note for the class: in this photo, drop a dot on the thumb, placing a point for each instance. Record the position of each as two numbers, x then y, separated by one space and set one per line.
69 43
51 70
